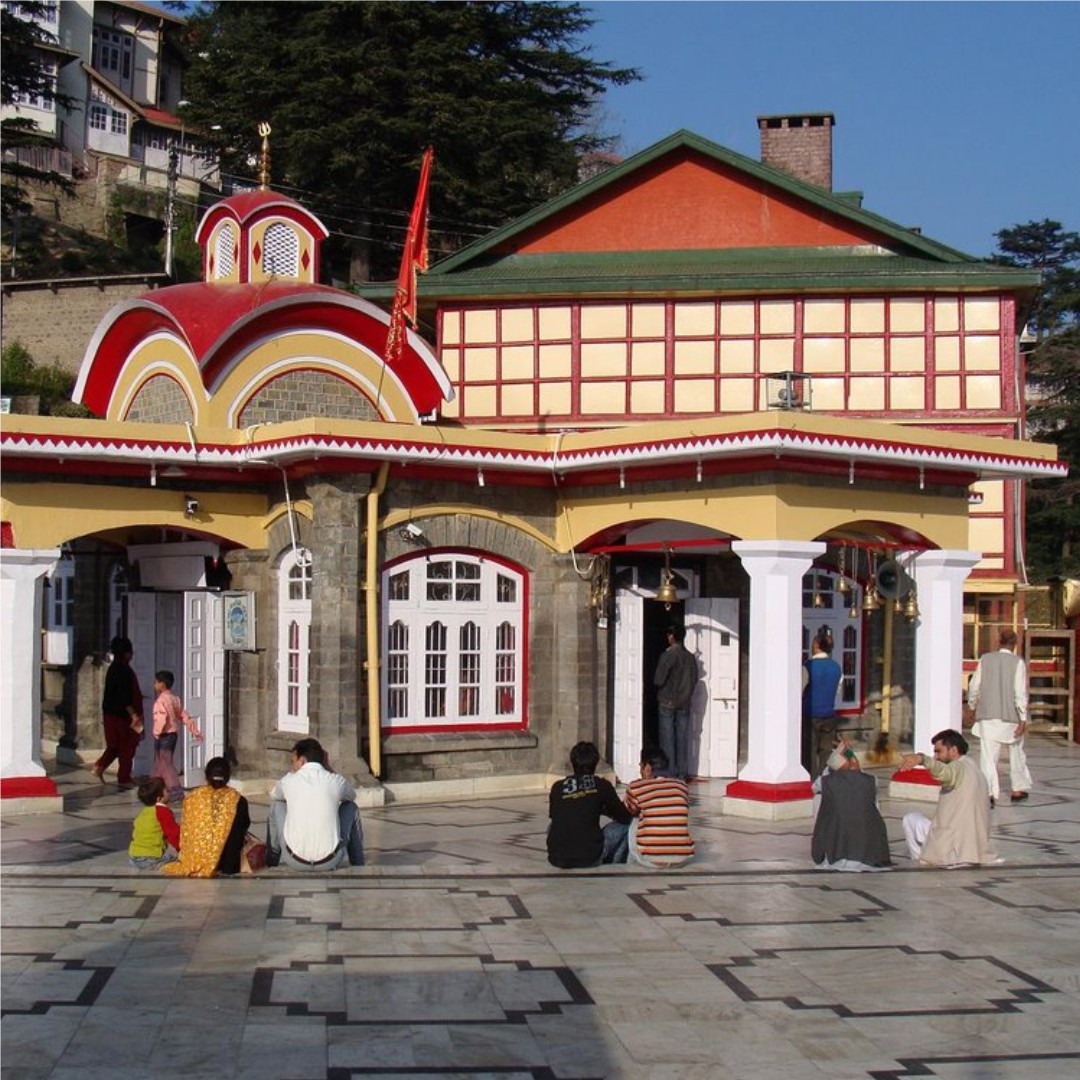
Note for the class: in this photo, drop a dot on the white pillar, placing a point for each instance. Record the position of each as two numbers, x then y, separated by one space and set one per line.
773 772
21 588
939 642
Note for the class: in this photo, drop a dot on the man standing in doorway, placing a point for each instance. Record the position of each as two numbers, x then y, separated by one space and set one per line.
676 678
998 692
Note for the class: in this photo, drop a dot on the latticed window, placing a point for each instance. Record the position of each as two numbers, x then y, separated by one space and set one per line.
294 640
118 588
469 670
505 668
223 252
397 671
281 251
453 643
435 671
61 596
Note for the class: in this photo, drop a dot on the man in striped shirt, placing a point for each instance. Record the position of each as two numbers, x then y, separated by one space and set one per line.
660 803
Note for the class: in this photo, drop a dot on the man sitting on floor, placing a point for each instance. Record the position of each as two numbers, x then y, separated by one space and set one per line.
849 831
314 823
959 834
575 804
660 803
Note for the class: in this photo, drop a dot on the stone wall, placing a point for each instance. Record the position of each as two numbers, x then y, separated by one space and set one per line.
56 319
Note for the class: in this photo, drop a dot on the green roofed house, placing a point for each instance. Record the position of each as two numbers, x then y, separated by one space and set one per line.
695 389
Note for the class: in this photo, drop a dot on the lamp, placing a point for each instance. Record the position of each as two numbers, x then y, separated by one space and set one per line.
667 594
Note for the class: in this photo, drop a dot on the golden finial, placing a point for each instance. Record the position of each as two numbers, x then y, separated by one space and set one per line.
264 158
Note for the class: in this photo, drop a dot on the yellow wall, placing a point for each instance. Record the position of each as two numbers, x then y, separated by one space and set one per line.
772 511
46 515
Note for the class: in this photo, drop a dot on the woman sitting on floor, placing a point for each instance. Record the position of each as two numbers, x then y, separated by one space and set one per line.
215 823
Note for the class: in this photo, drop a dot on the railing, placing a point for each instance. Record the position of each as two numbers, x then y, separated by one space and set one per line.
42 158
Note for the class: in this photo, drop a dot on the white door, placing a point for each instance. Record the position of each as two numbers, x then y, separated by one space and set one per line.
142 625
204 680
712 635
628 691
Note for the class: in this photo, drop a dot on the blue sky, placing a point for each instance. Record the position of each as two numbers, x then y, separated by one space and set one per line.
960 118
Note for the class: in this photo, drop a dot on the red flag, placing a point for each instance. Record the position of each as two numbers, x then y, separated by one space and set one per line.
414 258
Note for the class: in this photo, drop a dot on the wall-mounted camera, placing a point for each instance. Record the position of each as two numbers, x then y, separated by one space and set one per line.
191 506
411 531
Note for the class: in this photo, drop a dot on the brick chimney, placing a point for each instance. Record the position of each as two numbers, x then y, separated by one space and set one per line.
800 144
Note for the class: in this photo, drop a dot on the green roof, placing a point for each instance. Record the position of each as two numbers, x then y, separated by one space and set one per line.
904 259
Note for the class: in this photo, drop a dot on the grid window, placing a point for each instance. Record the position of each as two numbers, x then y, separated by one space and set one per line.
224 249
454 642
294 641
281 251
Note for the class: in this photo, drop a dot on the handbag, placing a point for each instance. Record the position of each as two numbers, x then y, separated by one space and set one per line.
252 854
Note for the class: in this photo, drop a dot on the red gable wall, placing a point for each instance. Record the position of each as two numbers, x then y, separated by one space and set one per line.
684 201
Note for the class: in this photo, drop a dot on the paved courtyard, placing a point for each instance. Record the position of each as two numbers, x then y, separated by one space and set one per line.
459 953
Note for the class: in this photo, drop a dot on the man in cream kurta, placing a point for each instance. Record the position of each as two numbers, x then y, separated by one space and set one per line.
960 831
998 692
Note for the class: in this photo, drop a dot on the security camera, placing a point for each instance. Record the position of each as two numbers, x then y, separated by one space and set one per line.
191 506
411 531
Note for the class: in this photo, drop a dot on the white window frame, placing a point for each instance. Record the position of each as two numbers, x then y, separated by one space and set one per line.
454 653
294 641
61 600
118 590
834 611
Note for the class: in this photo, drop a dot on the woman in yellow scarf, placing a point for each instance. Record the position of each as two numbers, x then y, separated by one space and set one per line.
212 831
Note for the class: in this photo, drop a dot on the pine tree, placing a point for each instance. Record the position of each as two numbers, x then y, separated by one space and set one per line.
1053 389
355 92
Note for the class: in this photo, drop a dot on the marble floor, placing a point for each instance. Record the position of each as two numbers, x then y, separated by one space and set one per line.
460 953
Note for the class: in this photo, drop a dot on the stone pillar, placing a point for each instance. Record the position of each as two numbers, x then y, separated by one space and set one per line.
24 787
939 658
338 708
773 784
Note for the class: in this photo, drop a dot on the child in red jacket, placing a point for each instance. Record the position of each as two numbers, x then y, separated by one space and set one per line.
154 830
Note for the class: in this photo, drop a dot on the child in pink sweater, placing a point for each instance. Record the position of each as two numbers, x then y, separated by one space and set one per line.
169 714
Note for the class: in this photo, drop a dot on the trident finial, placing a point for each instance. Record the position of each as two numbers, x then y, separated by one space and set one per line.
264 159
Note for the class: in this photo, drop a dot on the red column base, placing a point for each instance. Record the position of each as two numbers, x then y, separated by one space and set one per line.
771 793
27 787
915 776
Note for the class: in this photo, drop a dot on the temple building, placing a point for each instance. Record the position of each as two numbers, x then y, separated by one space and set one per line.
696 389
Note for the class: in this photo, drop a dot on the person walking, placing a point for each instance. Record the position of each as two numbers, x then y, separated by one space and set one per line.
122 714
169 713
998 692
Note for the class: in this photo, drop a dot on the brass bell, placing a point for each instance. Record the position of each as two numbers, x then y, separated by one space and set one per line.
869 600
911 608
667 594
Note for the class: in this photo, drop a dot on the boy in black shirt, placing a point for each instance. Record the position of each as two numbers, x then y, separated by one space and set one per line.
575 839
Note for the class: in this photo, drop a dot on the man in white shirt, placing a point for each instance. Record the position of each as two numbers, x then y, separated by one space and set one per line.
314 822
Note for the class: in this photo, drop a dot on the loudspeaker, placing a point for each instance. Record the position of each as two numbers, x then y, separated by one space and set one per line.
890 580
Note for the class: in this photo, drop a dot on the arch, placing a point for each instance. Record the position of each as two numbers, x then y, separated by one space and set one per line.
46 515
160 354
161 398
395 519
777 511
304 392
310 350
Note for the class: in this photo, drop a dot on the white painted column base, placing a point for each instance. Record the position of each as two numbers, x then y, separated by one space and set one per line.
24 787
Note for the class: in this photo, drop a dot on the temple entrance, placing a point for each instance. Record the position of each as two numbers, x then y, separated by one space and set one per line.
712 635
